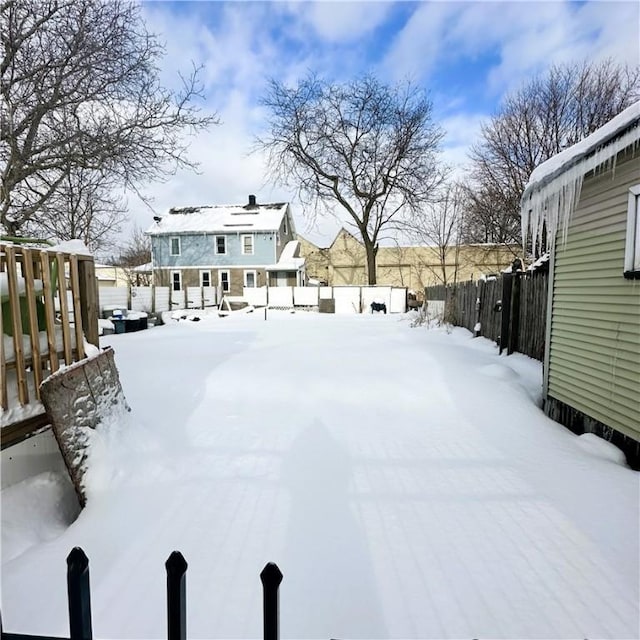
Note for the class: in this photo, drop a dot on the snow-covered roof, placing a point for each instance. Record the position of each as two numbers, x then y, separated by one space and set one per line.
541 262
289 258
142 268
224 218
559 163
554 186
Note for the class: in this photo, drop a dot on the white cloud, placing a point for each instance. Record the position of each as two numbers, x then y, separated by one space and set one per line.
461 130
340 22
526 37
418 46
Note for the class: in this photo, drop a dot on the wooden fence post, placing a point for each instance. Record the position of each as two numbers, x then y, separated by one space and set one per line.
514 330
176 567
79 595
271 578
505 325
89 300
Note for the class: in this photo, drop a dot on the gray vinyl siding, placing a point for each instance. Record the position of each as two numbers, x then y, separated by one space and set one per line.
594 358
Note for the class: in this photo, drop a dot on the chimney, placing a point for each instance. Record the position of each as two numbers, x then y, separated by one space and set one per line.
252 201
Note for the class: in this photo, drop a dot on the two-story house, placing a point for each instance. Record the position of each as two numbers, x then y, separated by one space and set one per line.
227 246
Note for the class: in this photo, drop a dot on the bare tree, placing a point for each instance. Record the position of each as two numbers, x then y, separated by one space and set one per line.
85 205
134 254
80 91
364 147
534 123
439 225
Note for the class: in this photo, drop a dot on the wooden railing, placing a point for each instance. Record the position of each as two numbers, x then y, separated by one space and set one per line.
49 308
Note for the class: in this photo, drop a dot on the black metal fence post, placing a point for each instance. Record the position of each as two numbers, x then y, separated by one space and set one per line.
271 578
79 594
176 567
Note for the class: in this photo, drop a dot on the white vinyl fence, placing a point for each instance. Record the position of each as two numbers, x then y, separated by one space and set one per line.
156 299
348 299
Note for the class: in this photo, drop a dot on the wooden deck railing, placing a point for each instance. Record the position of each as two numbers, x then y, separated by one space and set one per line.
49 308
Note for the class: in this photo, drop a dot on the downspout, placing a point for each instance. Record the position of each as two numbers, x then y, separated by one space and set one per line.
547 337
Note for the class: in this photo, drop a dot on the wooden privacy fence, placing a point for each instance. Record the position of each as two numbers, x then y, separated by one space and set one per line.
79 598
510 310
49 307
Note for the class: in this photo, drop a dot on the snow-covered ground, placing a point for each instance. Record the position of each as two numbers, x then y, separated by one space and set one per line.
405 481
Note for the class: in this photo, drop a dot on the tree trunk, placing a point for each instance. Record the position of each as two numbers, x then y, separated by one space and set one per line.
372 252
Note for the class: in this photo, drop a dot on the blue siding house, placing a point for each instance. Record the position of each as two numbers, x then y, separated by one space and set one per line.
227 246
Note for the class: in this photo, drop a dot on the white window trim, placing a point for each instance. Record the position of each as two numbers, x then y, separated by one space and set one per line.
202 273
255 277
179 280
171 239
242 237
632 246
220 272
220 253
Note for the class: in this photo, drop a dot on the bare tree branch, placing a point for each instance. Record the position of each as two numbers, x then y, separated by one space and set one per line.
80 93
366 147
534 123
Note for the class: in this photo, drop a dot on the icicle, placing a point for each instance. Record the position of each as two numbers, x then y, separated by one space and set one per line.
555 186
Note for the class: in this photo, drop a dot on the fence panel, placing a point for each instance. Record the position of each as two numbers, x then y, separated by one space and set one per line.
347 299
398 300
375 294
281 297
470 303
178 299
257 296
163 299
113 298
533 316
209 297
305 296
142 299
326 293
194 298
490 317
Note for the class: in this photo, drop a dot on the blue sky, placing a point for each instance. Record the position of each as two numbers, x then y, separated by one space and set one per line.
469 55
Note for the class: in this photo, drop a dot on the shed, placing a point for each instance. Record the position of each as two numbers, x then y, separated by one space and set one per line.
586 199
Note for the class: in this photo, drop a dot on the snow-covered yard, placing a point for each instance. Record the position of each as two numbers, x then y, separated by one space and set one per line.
405 481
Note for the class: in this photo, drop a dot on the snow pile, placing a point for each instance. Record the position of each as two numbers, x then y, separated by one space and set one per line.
36 511
72 246
4 285
601 448
404 481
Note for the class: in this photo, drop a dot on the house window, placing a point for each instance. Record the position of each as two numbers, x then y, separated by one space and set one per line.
249 278
175 246
176 280
285 228
205 278
247 245
221 245
632 248
224 281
